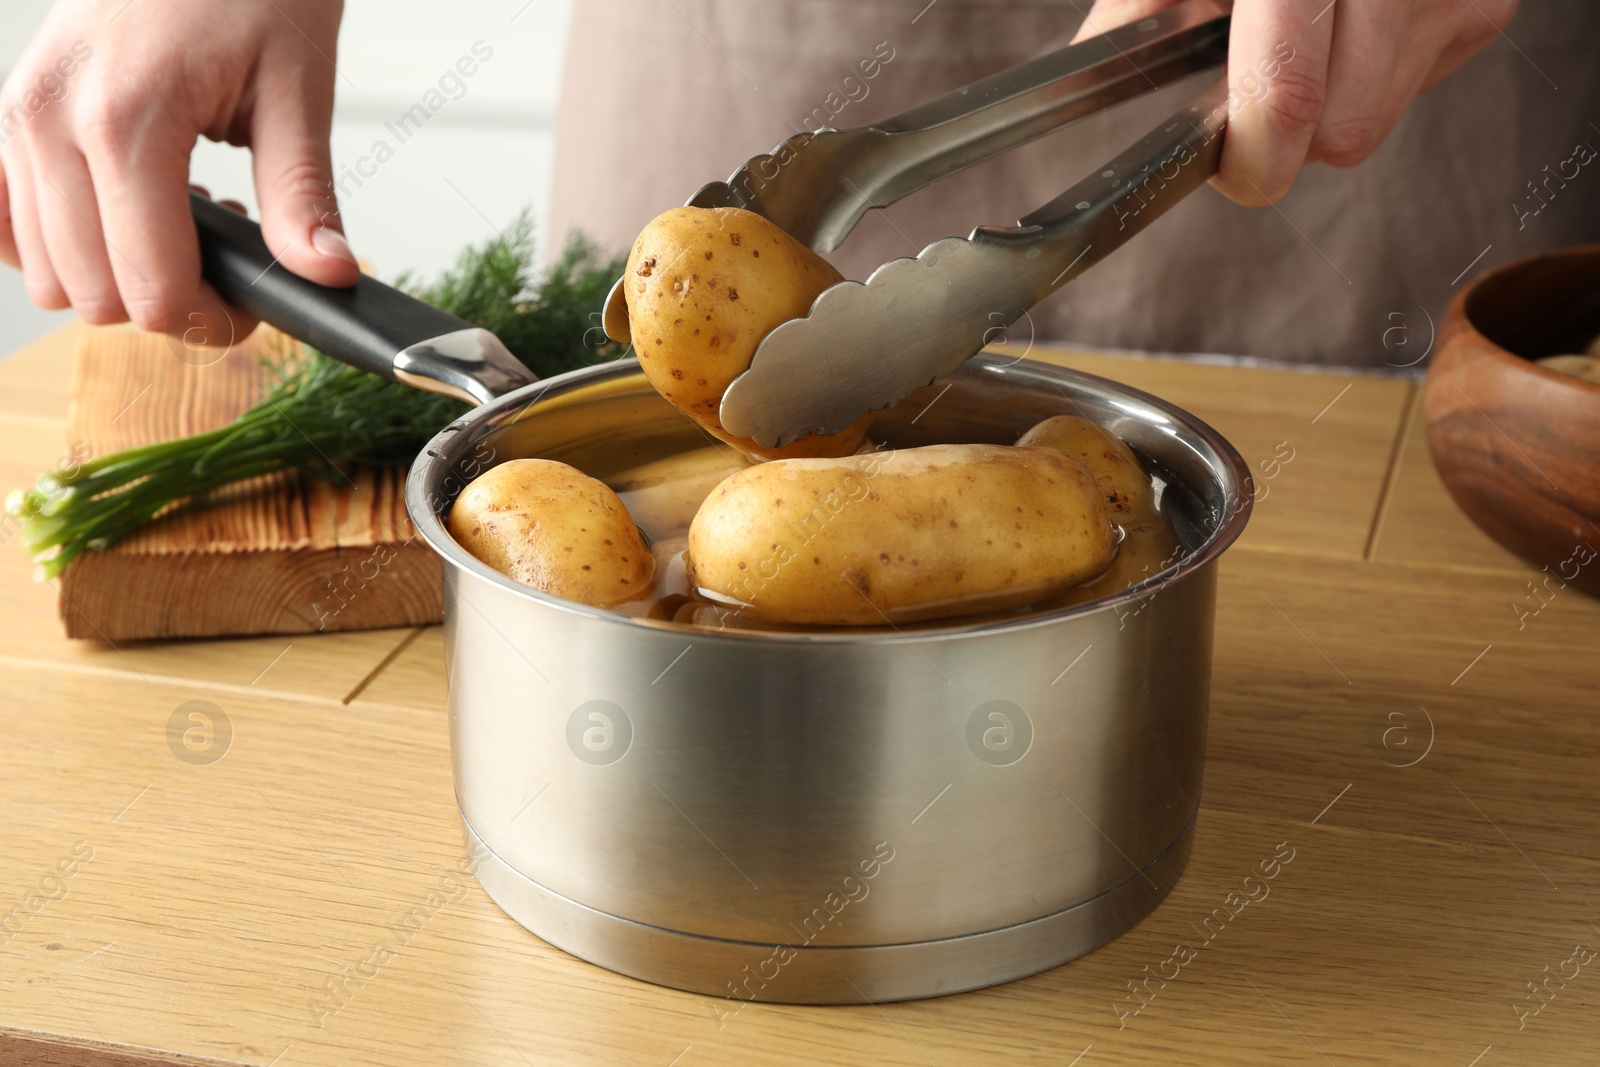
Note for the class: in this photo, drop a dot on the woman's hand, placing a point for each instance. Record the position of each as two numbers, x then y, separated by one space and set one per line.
97 122
1353 67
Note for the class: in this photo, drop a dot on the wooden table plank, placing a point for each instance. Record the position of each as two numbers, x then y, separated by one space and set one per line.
1424 526
39 1049
35 381
1329 673
415 677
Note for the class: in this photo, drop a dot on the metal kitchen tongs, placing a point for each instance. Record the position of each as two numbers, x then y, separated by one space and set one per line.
866 345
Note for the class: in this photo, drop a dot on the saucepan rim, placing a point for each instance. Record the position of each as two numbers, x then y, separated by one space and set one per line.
430 526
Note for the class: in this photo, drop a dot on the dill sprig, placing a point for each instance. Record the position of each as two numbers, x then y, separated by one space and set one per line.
322 416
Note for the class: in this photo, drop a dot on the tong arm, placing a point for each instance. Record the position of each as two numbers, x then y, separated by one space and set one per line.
817 186
865 345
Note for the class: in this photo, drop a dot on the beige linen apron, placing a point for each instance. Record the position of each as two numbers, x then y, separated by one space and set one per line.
661 96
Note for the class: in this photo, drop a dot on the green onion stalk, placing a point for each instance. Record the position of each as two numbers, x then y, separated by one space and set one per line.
321 416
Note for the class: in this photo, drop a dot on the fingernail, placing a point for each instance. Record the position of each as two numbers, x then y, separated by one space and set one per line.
330 242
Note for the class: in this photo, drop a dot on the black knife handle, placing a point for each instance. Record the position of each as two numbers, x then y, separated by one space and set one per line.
366 325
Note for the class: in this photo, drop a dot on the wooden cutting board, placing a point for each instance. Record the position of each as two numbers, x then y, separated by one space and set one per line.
282 554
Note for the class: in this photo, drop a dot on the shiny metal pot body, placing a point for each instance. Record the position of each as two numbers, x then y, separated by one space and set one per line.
830 817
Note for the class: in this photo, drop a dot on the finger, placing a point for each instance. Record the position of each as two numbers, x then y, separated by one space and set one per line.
1277 73
8 242
1109 14
294 186
1363 67
72 233
1447 64
1436 41
208 322
1478 28
142 178
240 324
44 288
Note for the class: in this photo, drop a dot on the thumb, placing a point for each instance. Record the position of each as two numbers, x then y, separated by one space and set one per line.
1109 14
294 186
8 242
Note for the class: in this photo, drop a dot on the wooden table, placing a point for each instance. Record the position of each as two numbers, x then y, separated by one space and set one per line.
1363 624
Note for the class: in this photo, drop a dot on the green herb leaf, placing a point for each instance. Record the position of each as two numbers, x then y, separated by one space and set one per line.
322 416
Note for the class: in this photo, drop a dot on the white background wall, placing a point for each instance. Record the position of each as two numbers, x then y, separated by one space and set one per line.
492 145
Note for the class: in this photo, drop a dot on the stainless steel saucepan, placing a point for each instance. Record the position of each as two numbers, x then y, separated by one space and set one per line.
818 817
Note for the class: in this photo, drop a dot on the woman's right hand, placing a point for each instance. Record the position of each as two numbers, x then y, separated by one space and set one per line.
97 123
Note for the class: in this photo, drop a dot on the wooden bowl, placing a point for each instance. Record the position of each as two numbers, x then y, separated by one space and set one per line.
1518 444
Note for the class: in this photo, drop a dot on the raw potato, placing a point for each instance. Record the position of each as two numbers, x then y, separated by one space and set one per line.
1586 367
921 533
662 495
704 286
555 528
671 578
1148 547
1115 467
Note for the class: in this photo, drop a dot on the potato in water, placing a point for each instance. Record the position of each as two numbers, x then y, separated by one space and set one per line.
704 286
1578 366
1122 479
662 495
915 534
551 526
1148 548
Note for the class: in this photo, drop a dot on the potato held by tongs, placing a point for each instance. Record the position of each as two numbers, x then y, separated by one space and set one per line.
704 286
